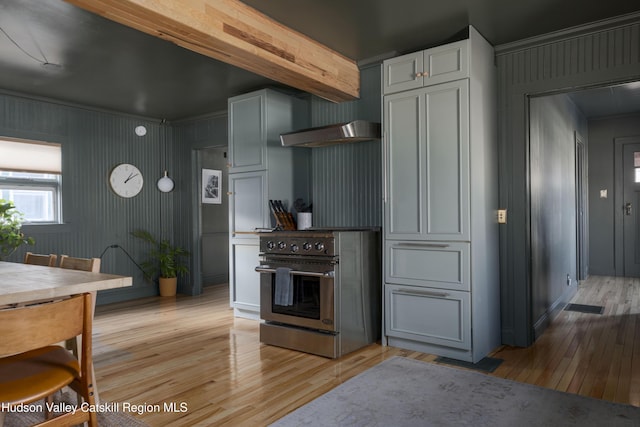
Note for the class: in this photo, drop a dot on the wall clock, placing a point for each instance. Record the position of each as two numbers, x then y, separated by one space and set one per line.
126 180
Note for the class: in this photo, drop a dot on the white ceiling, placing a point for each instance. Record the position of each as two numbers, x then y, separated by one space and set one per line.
51 49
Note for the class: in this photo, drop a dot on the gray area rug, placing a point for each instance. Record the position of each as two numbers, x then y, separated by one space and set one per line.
406 392
106 418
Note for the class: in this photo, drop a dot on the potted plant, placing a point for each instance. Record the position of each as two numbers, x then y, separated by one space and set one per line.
165 262
11 236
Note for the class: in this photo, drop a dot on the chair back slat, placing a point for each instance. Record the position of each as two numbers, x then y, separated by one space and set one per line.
39 325
84 264
39 259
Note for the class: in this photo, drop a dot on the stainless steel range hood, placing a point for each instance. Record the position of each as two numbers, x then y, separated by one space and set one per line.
357 130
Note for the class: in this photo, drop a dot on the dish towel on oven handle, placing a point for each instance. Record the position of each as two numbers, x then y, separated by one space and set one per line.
284 287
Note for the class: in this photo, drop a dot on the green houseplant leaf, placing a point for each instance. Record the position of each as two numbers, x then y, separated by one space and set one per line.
11 236
165 259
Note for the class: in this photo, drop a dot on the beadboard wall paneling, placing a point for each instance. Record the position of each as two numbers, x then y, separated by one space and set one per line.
95 217
603 53
347 185
16 117
347 179
591 53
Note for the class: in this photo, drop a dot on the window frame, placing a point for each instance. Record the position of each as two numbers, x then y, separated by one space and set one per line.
53 186
29 168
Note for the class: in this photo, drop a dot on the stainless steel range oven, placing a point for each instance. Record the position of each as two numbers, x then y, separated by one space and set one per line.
320 290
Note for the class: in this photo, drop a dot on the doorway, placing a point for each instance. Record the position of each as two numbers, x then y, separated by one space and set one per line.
571 172
627 202
214 214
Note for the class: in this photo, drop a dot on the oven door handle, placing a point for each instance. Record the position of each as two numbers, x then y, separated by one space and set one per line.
296 272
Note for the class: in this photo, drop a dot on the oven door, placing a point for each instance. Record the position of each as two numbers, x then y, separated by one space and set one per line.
312 302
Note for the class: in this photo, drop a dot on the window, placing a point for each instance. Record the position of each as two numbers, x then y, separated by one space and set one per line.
30 177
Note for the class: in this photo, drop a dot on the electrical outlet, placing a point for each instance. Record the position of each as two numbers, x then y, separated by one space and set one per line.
502 216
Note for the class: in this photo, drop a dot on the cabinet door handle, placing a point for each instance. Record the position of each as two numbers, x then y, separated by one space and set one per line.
421 293
423 245
418 74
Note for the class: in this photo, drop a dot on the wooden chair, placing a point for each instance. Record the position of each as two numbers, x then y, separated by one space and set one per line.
32 367
37 259
84 264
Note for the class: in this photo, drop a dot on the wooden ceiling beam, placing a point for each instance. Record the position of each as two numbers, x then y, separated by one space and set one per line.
232 32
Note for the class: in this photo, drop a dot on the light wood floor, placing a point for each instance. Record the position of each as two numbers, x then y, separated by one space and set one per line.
191 351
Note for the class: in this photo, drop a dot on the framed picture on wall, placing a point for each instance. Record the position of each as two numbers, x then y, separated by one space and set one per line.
211 186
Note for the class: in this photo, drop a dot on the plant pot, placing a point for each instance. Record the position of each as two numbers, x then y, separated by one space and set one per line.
168 286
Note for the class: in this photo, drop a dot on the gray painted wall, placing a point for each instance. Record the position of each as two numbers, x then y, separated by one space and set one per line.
599 54
93 142
553 122
346 184
602 133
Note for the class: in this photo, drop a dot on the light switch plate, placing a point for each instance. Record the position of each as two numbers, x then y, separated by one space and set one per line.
502 216
603 194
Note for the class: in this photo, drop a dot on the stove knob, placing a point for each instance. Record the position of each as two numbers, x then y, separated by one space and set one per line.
270 245
294 248
319 246
282 245
306 246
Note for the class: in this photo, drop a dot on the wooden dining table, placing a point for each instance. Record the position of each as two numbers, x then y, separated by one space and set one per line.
20 283
26 283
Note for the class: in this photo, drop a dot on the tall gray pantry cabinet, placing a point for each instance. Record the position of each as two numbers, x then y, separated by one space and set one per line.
441 273
260 169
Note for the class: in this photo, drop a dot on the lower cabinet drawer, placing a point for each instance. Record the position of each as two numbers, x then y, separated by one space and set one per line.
435 316
433 264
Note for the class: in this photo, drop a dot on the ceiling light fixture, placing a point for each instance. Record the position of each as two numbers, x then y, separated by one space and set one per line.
165 184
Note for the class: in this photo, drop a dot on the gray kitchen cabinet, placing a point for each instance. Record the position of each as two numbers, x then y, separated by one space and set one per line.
444 265
256 121
428 67
247 207
441 278
428 163
260 169
245 294
420 314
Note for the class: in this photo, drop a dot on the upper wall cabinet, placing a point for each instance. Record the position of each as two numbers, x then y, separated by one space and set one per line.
256 121
428 67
